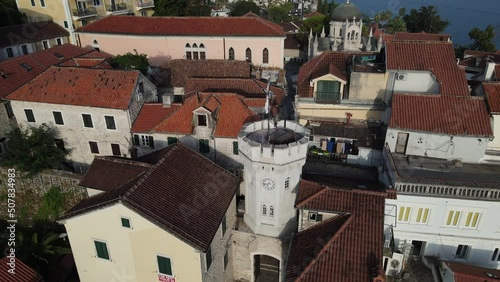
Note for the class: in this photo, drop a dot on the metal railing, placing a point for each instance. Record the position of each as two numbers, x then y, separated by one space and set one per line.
143 4
90 11
116 7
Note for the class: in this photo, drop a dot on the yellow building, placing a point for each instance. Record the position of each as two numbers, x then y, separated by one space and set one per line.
72 14
166 216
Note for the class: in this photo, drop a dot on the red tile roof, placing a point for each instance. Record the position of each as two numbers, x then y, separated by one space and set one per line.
320 66
94 59
468 273
423 36
181 70
453 115
497 72
23 273
185 26
231 113
436 57
80 87
13 75
492 90
248 88
474 53
168 189
151 115
343 248
30 32
312 14
97 177
292 41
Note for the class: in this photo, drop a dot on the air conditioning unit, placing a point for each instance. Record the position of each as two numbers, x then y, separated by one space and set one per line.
401 76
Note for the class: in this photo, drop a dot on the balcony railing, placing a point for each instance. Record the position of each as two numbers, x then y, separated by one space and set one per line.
87 12
145 4
327 97
116 8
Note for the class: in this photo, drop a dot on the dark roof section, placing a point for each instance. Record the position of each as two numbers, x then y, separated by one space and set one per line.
30 32
320 66
185 26
23 273
166 193
370 135
492 91
422 36
98 175
346 247
181 70
450 115
13 75
469 273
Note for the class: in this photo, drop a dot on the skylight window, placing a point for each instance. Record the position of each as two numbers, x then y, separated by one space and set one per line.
26 67
59 55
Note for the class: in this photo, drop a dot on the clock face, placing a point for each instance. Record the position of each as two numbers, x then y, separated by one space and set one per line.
268 184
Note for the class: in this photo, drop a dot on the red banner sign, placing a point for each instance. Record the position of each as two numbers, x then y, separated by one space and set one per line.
165 278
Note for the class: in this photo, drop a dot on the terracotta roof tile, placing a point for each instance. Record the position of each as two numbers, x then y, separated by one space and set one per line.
30 32
181 70
151 115
320 66
97 177
334 70
343 248
497 71
168 189
13 75
248 88
231 114
422 36
23 273
469 273
492 90
292 41
312 14
185 26
436 57
80 87
453 115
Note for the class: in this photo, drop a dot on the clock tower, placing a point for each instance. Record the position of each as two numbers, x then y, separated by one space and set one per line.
273 159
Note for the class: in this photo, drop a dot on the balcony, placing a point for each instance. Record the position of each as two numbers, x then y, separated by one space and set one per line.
84 13
117 9
327 97
145 4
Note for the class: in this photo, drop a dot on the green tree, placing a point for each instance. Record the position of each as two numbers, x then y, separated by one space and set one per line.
320 8
482 40
242 7
426 19
396 24
53 204
132 61
171 8
315 23
383 16
280 13
33 149
9 14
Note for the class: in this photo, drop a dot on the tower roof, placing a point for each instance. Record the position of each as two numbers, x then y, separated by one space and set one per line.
346 11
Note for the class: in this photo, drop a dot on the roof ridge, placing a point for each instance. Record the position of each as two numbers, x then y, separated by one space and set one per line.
324 188
328 244
123 161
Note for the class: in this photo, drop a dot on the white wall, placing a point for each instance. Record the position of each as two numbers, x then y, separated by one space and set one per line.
416 82
466 149
365 157
16 50
495 144
441 240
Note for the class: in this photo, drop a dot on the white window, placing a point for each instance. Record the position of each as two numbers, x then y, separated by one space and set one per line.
145 140
404 214
453 218
313 216
422 215
496 255
9 51
462 251
472 219
45 44
59 41
42 3
24 48
165 266
287 183
271 211
97 2
264 210
202 120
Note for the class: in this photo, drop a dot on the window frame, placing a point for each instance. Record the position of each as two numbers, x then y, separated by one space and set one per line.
204 118
33 3
127 220
45 44
225 260
248 54
116 148
92 147
265 56
204 146
158 256
107 124
495 256
10 52
235 148
207 255
59 41
264 210
97 252
287 183
231 54
55 119
32 115
143 140
462 251
223 226
423 215
472 220
42 3
453 218
404 216
8 109
24 49
91 121
172 140
65 23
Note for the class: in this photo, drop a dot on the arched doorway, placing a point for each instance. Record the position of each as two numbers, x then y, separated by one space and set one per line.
266 268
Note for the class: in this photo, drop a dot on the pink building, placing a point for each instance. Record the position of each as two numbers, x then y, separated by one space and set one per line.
197 38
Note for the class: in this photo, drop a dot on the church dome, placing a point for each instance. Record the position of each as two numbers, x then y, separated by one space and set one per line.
345 11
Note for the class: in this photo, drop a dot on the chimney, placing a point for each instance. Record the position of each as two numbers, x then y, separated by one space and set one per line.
167 100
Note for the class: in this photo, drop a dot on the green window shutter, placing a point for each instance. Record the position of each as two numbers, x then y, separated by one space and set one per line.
151 142
102 250
125 222
235 147
171 140
136 140
164 265
224 226
208 257
204 147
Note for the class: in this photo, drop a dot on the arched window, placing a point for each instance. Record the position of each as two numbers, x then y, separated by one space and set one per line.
348 35
271 211
231 53
95 45
202 46
340 32
287 183
352 35
357 35
248 54
195 46
203 55
265 56
188 46
264 210
95 42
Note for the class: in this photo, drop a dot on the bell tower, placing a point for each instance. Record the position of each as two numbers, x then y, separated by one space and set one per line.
273 159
